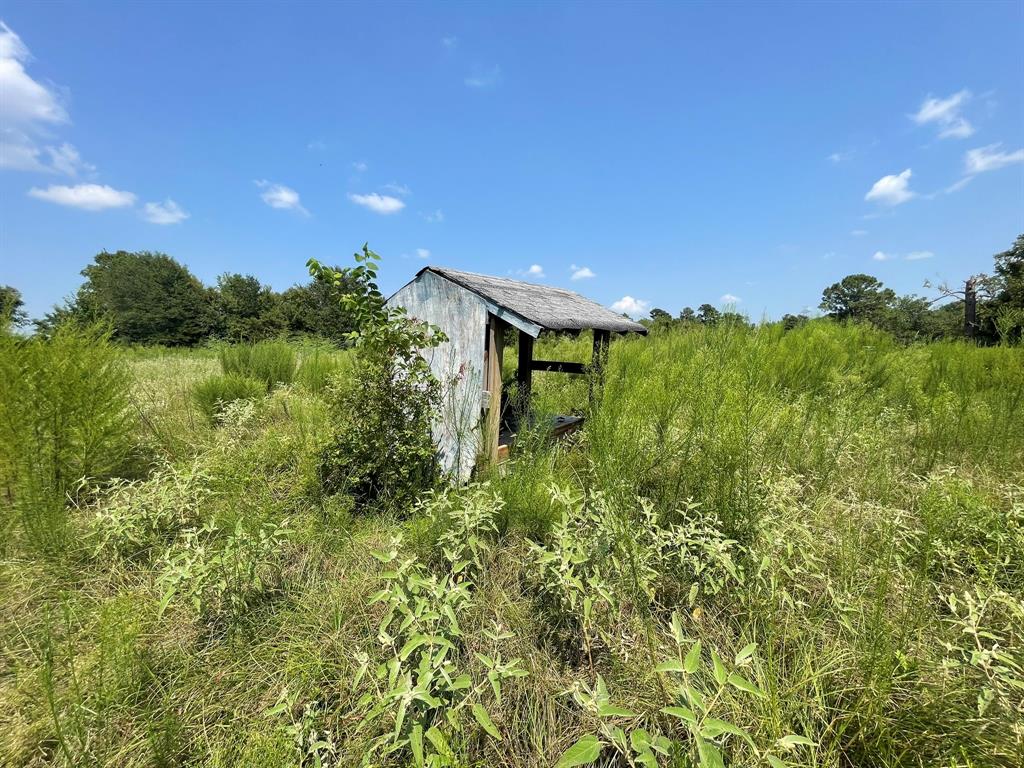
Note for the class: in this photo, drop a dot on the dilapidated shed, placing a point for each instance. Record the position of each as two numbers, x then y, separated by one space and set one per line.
475 312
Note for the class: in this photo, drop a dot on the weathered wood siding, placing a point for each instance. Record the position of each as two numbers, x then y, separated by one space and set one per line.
458 364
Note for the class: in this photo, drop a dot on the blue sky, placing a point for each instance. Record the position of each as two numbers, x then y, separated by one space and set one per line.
663 154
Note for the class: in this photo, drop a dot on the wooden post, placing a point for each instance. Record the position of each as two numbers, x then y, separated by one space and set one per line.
492 426
524 376
598 360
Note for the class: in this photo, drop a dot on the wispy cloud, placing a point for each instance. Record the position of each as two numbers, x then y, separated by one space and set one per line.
280 196
919 255
581 273
360 166
891 190
449 41
956 186
382 204
167 212
485 78
316 146
433 217
728 298
839 157
29 110
88 197
882 256
858 232
398 189
990 158
422 253
946 114
631 306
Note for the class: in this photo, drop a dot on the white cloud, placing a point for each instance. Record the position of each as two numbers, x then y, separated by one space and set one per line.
28 111
435 217
728 298
88 197
422 253
484 78
398 189
882 256
25 101
280 196
990 158
631 306
891 190
383 204
449 41
359 166
840 157
858 232
535 270
918 255
316 146
946 114
958 185
581 273
167 212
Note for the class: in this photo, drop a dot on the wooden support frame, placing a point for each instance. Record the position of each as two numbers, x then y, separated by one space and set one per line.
558 366
494 352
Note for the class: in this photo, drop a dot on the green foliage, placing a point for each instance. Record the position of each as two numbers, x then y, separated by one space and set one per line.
134 519
857 297
245 310
382 451
223 574
12 313
213 394
421 690
272 362
318 366
148 298
65 416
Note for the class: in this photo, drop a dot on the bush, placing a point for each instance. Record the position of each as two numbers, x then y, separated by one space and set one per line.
382 451
272 362
64 416
211 395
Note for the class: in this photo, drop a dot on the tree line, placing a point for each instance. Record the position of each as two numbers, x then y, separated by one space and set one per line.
150 298
985 307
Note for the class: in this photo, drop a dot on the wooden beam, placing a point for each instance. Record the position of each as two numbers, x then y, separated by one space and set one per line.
558 366
492 424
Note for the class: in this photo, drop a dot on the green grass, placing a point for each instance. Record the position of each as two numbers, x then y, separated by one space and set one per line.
853 507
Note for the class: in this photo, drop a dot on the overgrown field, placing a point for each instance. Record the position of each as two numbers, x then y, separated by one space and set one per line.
773 548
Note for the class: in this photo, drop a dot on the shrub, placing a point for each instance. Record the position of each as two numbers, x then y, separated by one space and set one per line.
382 451
64 416
213 394
272 362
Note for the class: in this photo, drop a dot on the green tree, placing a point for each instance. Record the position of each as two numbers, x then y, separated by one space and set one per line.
708 315
687 315
858 297
12 313
148 298
315 309
245 309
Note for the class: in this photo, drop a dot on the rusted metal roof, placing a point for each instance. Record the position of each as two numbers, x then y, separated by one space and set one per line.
553 309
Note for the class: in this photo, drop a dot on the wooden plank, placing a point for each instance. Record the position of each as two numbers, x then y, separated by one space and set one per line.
495 344
597 362
558 366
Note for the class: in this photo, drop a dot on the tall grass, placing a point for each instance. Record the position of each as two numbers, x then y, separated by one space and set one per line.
272 362
851 507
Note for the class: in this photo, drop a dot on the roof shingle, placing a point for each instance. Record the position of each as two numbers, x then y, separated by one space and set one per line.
555 309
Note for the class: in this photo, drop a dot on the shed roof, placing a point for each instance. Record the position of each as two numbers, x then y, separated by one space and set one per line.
553 309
